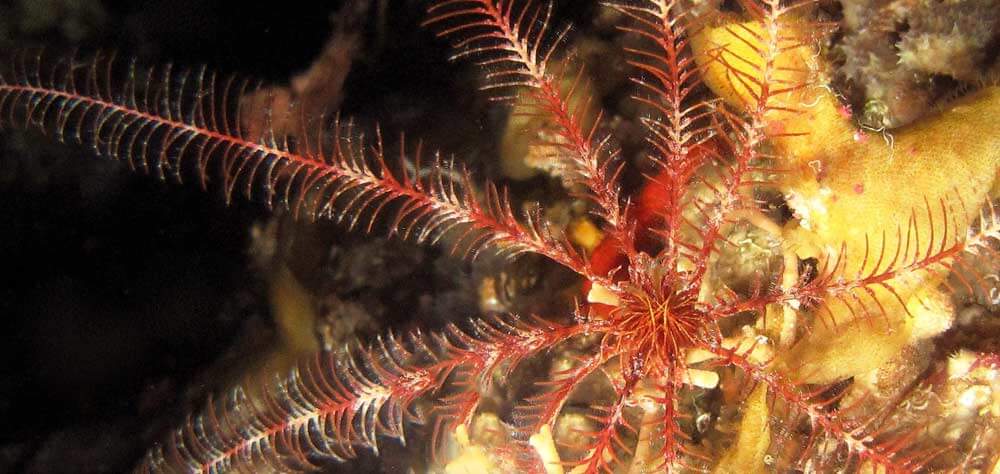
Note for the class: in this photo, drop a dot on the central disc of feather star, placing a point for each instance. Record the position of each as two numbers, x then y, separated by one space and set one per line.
656 314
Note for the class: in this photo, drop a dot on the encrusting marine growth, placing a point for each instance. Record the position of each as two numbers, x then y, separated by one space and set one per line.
809 365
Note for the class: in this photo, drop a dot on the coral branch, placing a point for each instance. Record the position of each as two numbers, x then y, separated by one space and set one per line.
510 38
168 120
668 78
755 62
879 273
333 404
858 443
541 409
606 445
666 419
